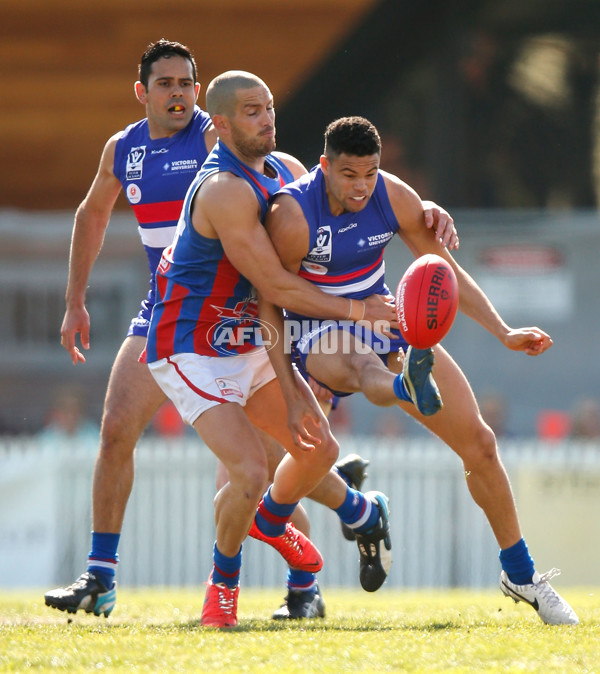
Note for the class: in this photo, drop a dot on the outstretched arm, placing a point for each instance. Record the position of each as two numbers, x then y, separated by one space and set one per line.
91 221
473 302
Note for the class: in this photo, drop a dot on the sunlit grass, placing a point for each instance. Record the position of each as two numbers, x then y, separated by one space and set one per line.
388 631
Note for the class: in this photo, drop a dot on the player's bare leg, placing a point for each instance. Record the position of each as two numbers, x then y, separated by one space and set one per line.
344 363
234 440
230 436
300 471
371 529
275 452
132 398
462 428
227 431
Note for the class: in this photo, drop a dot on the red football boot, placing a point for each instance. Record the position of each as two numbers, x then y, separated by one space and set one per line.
220 605
297 550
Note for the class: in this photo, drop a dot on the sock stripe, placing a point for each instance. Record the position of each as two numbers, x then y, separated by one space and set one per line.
270 517
220 571
102 563
364 515
302 588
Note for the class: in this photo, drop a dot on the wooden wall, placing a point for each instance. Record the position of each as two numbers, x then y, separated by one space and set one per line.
67 69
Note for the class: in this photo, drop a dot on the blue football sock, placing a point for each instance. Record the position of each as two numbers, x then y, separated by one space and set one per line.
400 388
358 512
301 581
226 570
271 517
517 563
103 557
344 477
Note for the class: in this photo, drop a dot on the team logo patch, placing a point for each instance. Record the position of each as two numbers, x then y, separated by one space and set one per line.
135 163
134 193
321 251
228 387
314 268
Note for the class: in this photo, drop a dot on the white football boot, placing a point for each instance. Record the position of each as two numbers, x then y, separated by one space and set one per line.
551 607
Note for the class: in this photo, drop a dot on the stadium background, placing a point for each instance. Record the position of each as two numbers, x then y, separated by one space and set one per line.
491 108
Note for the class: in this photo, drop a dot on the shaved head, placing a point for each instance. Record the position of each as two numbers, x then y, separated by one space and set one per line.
221 95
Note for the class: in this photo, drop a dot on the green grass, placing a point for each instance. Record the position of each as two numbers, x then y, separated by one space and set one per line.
389 631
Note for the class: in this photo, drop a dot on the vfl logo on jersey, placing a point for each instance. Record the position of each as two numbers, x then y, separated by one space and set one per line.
135 163
134 193
322 248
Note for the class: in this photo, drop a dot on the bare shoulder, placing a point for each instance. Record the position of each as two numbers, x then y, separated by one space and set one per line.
296 167
397 188
284 209
222 200
406 203
288 228
224 187
285 217
108 153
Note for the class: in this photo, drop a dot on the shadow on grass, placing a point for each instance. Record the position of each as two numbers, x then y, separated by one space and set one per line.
256 625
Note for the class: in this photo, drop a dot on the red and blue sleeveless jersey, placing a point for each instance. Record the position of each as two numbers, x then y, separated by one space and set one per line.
204 305
155 175
345 251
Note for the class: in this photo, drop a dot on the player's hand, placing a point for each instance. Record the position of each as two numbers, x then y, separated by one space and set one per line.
304 422
442 223
380 314
75 321
531 341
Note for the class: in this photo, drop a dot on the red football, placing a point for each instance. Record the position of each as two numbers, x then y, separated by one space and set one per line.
427 301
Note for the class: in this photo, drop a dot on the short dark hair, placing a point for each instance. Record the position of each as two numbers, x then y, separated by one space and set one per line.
163 49
354 136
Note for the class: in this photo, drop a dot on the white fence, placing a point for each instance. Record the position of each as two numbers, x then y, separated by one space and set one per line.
440 537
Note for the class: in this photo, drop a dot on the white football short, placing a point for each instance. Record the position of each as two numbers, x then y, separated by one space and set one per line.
196 383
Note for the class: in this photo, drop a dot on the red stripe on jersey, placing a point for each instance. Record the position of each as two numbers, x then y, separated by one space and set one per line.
319 278
226 278
264 190
160 211
200 392
165 330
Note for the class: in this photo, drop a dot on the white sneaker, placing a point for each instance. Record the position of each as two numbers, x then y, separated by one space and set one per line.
551 607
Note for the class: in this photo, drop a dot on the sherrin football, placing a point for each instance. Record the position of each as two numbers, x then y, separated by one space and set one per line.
427 301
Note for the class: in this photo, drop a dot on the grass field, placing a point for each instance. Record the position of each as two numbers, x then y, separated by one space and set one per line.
390 631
